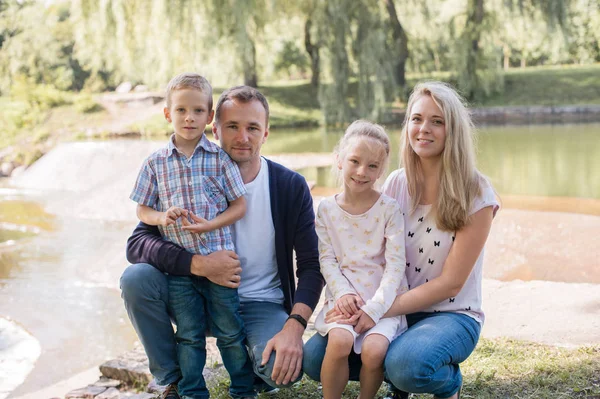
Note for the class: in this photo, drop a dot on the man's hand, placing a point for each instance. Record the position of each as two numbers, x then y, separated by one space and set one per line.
221 267
287 345
199 226
349 304
171 215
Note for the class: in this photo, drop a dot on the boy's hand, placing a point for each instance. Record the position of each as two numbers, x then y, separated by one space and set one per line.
199 226
349 304
172 214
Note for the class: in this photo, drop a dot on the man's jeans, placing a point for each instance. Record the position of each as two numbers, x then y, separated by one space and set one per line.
145 292
424 359
198 305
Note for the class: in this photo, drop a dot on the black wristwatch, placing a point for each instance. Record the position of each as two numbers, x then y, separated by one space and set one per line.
299 319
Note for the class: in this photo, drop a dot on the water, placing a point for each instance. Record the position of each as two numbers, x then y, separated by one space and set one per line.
59 280
59 274
539 160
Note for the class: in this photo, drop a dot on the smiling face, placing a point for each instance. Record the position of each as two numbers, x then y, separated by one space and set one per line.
361 165
427 129
242 129
189 113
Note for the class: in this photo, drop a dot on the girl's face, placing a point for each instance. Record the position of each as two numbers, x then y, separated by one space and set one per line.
361 165
426 128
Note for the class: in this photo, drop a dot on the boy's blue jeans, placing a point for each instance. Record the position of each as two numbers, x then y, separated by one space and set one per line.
424 359
145 291
197 305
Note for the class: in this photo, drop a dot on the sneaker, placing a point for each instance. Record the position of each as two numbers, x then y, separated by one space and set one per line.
397 395
171 392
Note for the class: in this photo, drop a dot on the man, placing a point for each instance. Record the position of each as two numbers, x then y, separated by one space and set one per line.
278 220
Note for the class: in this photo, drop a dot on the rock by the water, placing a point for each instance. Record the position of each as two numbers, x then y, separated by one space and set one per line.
107 382
110 393
88 392
131 368
124 87
6 168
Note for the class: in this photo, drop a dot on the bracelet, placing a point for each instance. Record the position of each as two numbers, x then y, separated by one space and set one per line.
299 319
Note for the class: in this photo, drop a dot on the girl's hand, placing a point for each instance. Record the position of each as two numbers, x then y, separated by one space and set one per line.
199 226
333 316
172 214
365 323
349 304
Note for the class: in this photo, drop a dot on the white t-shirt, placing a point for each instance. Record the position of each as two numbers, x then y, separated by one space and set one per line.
427 247
254 237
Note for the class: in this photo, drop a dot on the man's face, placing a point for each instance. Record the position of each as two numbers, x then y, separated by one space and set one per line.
242 129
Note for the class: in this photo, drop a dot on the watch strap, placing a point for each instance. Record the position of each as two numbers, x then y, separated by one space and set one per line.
299 319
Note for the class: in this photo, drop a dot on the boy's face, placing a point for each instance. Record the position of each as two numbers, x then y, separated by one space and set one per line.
189 115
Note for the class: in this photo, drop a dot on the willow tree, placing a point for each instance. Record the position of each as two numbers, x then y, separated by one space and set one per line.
355 46
151 41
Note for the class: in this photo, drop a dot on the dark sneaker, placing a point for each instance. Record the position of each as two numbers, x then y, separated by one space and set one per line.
171 392
397 395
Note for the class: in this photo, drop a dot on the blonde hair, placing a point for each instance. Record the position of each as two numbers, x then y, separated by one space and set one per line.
459 180
373 135
189 80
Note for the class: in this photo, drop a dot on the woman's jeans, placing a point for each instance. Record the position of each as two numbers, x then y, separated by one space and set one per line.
424 359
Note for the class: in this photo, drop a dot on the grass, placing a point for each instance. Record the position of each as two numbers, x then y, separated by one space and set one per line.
499 368
564 85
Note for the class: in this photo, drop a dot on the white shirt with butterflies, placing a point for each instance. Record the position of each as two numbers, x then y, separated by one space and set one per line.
427 247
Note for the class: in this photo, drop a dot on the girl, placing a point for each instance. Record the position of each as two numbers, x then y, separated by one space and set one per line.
361 246
448 207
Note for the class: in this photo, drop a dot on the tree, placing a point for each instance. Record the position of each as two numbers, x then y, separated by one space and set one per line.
401 42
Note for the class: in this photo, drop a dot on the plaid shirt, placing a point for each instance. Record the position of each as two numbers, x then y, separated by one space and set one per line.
203 184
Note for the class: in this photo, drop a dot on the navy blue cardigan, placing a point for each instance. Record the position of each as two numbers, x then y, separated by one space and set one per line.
294 221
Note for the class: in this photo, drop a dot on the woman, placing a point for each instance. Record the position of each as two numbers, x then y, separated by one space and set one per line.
448 209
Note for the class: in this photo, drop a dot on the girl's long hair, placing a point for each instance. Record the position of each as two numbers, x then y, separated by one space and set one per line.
459 180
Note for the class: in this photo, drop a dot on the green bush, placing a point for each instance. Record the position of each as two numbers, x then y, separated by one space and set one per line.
85 104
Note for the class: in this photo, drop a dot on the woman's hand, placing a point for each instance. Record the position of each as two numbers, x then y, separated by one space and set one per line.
349 304
365 323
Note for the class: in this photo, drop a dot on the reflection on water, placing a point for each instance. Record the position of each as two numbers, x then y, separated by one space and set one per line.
60 285
540 160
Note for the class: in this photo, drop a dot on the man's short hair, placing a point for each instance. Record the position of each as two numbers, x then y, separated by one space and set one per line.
189 80
244 94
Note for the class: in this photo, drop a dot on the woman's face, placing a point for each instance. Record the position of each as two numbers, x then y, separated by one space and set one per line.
427 128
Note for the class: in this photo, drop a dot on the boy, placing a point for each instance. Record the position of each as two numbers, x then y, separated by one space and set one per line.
193 178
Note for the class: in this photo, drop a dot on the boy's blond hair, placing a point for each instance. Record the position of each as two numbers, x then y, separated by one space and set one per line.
189 80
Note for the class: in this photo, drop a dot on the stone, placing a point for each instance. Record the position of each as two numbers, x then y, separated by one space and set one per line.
88 392
6 168
107 382
144 395
110 393
130 368
18 171
124 87
140 89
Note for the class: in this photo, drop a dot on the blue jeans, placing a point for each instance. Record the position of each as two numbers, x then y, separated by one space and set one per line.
145 292
197 305
425 359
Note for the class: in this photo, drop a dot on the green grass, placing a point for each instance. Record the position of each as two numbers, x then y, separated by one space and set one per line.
499 368
561 85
